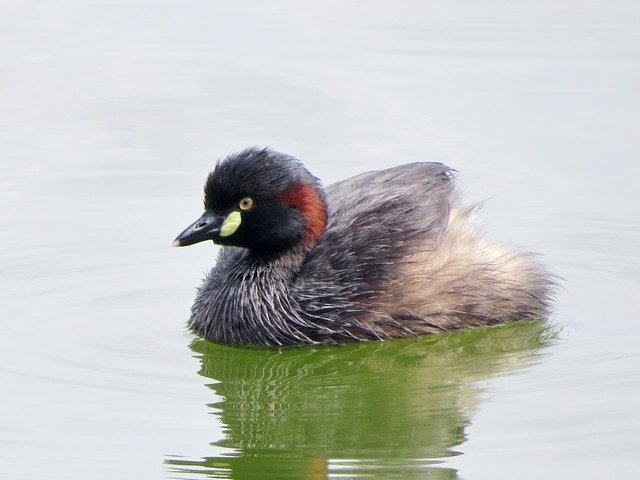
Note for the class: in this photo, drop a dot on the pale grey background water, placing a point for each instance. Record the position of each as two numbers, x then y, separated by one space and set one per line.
111 113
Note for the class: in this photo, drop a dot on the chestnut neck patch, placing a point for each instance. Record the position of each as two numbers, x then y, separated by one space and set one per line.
306 199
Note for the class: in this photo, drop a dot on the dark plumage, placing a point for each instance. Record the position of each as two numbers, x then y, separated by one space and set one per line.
381 255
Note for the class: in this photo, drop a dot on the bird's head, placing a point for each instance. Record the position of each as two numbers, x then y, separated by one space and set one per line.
262 200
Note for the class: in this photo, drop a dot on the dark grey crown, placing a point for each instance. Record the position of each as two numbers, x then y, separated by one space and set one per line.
257 172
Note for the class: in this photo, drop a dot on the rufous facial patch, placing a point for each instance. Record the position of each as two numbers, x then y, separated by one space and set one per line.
306 199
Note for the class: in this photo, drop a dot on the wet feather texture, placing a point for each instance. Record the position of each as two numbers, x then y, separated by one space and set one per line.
382 255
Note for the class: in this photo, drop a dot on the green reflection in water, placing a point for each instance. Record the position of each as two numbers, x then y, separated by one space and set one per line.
375 410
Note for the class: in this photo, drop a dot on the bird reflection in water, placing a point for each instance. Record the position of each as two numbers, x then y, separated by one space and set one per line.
383 410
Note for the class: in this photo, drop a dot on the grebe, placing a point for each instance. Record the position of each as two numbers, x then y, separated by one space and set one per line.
385 254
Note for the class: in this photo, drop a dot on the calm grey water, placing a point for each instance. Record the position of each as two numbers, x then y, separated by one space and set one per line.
113 112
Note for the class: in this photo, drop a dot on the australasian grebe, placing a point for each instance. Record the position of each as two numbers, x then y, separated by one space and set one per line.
381 255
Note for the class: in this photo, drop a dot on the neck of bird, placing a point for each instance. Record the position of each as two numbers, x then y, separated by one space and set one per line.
254 301
269 270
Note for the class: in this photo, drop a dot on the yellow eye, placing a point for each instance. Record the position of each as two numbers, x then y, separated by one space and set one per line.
246 203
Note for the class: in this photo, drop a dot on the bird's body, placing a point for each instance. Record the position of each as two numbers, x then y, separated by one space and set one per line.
385 254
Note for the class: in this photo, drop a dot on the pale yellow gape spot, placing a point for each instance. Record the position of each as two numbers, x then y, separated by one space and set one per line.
231 224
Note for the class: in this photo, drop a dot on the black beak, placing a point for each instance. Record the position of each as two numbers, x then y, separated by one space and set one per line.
207 227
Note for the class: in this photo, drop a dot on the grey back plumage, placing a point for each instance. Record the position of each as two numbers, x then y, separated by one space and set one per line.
373 219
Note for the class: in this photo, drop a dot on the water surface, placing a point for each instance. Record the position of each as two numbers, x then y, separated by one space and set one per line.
113 112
